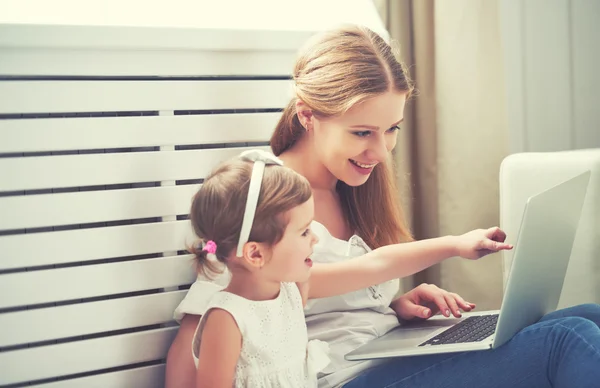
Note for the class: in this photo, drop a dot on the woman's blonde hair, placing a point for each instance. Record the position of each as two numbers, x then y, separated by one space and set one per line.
218 208
334 71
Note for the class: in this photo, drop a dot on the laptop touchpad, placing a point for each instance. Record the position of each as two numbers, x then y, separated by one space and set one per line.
414 330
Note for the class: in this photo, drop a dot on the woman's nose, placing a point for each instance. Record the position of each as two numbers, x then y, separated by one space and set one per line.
379 148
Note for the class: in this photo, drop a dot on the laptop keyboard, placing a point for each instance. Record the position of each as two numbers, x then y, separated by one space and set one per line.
472 329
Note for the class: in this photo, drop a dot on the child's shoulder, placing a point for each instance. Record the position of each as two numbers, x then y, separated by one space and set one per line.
219 317
227 306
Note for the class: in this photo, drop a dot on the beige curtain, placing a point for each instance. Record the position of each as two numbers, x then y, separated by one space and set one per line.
455 134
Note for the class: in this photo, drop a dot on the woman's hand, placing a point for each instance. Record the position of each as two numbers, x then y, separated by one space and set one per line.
426 300
480 242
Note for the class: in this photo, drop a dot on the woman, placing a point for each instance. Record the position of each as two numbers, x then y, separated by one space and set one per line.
339 132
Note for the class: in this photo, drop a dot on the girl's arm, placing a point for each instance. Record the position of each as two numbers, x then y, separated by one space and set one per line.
400 260
181 371
220 349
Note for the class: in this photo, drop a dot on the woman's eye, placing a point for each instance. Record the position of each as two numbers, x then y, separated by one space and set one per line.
368 133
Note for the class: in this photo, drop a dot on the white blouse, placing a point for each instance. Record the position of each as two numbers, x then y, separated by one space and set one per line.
344 322
275 349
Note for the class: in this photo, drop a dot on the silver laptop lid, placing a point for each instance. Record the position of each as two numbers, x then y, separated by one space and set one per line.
547 233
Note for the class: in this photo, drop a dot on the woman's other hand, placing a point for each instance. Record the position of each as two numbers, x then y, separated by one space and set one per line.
426 300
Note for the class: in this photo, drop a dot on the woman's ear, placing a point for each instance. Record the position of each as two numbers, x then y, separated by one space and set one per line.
305 115
254 255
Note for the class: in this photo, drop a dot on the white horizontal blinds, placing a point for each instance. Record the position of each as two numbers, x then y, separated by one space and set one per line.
150 62
144 377
36 211
76 357
88 281
96 180
133 95
20 249
77 319
134 131
60 171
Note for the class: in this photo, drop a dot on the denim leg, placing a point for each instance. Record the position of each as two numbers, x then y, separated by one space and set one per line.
589 311
557 352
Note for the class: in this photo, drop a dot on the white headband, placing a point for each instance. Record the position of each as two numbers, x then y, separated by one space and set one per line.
261 159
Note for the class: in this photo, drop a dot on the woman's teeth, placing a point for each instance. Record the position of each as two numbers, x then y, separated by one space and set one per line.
362 165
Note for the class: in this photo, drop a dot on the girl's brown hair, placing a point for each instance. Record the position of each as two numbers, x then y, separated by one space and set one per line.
335 71
218 208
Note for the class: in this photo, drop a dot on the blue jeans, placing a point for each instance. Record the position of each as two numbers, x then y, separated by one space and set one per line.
561 350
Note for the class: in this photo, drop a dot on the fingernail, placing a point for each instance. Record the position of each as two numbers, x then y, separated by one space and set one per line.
426 312
447 313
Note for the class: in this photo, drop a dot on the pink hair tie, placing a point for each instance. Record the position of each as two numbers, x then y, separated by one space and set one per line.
210 247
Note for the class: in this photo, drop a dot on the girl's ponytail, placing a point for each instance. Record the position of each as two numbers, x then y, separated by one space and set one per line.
207 260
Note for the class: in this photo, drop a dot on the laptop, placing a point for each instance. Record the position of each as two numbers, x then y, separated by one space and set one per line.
541 257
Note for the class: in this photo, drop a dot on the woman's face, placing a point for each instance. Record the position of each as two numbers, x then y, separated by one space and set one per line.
352 144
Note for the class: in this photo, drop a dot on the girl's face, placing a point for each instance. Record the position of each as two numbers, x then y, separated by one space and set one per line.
289 259
351 145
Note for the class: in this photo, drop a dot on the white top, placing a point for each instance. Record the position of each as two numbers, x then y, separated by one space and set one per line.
275 349
328 319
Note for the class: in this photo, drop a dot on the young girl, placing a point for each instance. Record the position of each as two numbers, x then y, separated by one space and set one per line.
254 216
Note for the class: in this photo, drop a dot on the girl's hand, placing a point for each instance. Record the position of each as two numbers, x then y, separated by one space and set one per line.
480 242
426 300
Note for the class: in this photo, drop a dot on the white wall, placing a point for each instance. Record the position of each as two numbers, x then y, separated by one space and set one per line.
552 56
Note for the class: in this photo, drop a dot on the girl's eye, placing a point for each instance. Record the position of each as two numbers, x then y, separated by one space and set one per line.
306 232
394 128
362 133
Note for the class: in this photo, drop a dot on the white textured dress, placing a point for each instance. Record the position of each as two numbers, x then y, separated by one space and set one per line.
275 348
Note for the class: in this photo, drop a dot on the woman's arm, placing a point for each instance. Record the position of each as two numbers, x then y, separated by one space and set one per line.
400 260
303 287
220 349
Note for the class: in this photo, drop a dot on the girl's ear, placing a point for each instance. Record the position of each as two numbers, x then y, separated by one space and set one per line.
254 255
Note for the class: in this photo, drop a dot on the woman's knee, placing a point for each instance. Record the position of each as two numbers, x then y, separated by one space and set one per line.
589 311
584 308
577 329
